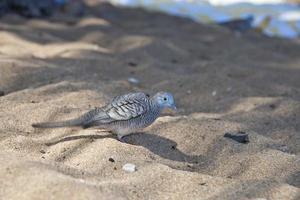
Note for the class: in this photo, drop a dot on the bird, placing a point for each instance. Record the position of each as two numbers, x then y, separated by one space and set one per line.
125 114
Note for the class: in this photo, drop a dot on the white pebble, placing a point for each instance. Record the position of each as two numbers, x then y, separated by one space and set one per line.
128 167
214 93
133 80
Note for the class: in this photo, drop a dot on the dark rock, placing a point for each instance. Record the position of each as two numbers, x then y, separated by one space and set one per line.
111 160
132 64
240 137
42 151
174 61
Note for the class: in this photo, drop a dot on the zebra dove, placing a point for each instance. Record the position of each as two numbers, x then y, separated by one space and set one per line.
124 115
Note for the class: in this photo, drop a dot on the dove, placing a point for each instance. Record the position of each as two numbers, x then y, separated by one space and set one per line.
124 115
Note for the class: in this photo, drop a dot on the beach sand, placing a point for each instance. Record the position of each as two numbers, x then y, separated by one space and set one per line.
222 82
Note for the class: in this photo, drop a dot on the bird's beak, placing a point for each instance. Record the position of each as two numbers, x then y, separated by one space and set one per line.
174 107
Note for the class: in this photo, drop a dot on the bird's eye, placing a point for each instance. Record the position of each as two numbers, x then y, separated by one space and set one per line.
165 99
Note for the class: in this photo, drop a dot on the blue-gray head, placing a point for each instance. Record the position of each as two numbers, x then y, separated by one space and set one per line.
164 100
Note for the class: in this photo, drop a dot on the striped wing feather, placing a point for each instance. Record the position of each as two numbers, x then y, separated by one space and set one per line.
127 106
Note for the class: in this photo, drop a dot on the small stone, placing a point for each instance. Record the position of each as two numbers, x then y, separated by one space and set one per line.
214 93
174 61
240 137
173 147
273 106
229 89
202 183
42 151
111 160
132 64
133 80
189 92
128 167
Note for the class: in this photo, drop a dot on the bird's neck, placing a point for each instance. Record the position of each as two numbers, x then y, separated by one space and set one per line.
155 107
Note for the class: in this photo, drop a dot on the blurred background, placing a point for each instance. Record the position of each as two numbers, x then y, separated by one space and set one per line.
280 18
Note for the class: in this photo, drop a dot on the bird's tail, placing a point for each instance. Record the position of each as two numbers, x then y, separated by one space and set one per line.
91 118
68 123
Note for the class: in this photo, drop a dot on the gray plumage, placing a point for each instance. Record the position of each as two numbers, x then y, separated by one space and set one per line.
123 115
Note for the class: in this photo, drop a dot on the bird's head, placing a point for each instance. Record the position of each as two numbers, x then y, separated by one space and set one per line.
165 100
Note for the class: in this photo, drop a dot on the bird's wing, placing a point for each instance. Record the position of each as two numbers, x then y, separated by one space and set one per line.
128 106
121 108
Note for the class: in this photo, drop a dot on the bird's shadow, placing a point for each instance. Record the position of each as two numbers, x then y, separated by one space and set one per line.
159 145
163 147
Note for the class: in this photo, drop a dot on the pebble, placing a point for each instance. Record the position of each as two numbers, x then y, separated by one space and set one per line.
240 137
42 151
214 93
133 80
272 106
128 167
132 64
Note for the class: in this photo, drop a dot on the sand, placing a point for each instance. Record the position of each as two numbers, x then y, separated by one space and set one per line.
222 83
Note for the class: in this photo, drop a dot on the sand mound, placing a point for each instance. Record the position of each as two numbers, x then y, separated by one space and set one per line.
221 82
